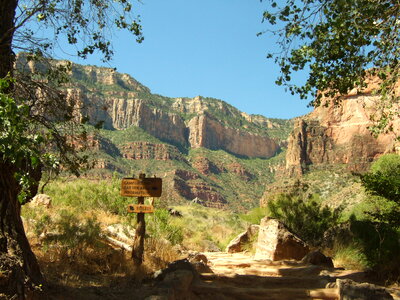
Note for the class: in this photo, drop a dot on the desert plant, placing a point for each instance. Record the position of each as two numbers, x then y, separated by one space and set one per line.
161 226
383 182
307 218
255 215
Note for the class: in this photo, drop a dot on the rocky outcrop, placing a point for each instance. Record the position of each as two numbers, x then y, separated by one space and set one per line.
339 134
240 170
190 186
120 111
276 242
209 133
41 200
207 167
146 150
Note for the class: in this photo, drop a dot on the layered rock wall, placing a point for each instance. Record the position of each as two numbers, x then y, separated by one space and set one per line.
146 150
200 131
339 134
209 133
117 101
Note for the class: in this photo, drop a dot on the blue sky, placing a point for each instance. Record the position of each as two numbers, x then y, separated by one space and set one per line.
206 48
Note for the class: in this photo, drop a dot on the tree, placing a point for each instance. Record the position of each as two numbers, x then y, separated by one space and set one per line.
383 181
37 124
341 44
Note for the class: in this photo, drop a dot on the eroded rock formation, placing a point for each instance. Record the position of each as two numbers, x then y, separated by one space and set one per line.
146 150
339 134
209 133
119 102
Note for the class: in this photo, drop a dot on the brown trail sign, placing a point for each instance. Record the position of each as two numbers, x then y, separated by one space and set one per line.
146 187
142 187
139 208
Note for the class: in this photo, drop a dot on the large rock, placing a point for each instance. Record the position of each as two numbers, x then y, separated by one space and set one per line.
175 281
244 238
276 242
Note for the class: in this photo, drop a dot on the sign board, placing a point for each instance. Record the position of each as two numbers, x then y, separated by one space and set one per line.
146 187
140 208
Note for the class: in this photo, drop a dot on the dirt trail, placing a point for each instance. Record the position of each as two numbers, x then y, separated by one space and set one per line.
239 276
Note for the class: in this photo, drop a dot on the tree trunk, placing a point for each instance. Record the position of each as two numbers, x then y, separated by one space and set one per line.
20 275
7 14
20 270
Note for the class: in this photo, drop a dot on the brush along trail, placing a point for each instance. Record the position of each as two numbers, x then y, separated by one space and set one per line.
239 276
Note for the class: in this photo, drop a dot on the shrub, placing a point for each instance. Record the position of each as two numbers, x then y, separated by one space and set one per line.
255 215
383 182
160 225
307 218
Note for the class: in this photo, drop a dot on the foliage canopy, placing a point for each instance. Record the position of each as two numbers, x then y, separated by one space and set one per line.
340 43
37 120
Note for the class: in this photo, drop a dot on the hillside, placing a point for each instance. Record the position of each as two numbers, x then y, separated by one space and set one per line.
206 149
203 148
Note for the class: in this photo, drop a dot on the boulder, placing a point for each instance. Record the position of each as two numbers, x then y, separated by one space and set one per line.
209 246
317 258
174 282
237 244
41 200
351 290
199 262
276 242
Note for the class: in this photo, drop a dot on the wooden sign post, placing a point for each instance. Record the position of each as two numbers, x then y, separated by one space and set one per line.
140 188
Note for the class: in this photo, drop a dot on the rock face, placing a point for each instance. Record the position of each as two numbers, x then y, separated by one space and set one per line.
118 101
276 242
209 133
207 167
188 185
334 134
146 150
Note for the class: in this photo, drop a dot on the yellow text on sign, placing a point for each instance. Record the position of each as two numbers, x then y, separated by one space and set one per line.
147 187
140 208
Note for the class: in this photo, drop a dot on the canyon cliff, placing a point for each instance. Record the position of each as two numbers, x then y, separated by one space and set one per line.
340 134
119 102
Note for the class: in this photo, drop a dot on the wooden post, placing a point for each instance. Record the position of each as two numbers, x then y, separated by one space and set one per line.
138 243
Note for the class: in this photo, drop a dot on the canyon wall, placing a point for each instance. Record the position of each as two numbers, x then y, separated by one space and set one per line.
339 134
119 102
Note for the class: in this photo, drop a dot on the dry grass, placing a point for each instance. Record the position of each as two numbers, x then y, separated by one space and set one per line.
69 261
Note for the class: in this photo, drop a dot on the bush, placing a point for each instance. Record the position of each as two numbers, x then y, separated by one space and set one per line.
255 215
161 226
383 182
307 218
